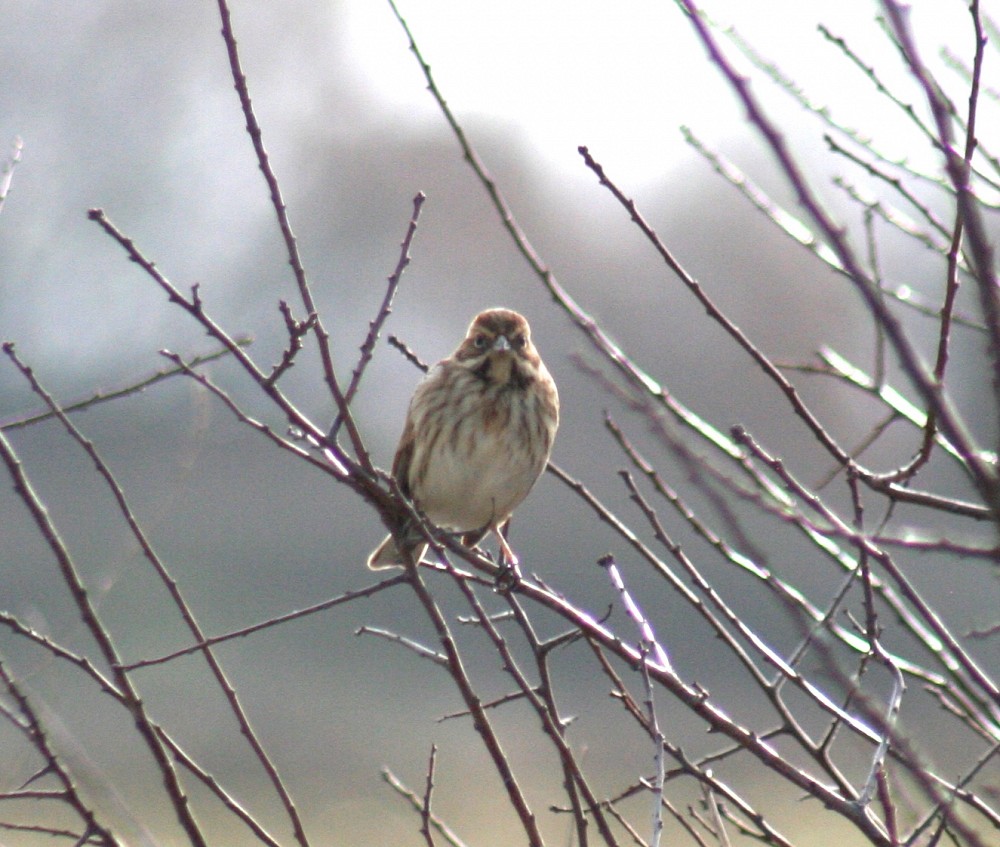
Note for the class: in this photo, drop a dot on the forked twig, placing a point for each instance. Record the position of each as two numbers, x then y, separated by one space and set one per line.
375 326
417 802
182 606
97 629
104 395
291 244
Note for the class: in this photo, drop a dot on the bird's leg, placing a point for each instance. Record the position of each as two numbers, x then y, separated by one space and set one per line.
472 539
509 573
507 556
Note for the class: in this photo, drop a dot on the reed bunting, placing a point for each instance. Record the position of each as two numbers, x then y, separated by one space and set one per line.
478 433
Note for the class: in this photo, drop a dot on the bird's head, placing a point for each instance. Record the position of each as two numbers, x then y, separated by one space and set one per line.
498 348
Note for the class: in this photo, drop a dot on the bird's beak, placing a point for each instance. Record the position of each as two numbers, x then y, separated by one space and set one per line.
501 345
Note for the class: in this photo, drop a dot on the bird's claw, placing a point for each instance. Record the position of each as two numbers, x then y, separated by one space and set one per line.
508 576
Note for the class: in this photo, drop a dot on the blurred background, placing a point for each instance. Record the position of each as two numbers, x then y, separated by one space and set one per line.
130 107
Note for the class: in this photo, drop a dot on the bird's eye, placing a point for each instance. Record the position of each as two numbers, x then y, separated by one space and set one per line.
519 342
479 341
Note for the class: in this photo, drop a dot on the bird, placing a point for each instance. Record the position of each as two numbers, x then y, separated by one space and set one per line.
478 433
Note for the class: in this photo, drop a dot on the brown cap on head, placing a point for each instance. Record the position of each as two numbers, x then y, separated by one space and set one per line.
500 322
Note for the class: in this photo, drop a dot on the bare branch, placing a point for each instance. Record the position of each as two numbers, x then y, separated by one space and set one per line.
385 308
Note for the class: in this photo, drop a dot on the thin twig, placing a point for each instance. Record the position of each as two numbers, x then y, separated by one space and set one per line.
400 788
211 641
60 652
686 765
959 168
296 331
411 357
176 596
104 395
658 745
948 650
425 812
33 730
375 326
480 720
951 423
102 637
646 634
291 245
213 785
549 716
423 651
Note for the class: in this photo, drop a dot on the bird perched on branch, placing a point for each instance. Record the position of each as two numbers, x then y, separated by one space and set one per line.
478 433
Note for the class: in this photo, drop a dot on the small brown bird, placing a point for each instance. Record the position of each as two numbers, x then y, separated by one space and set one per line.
478 433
